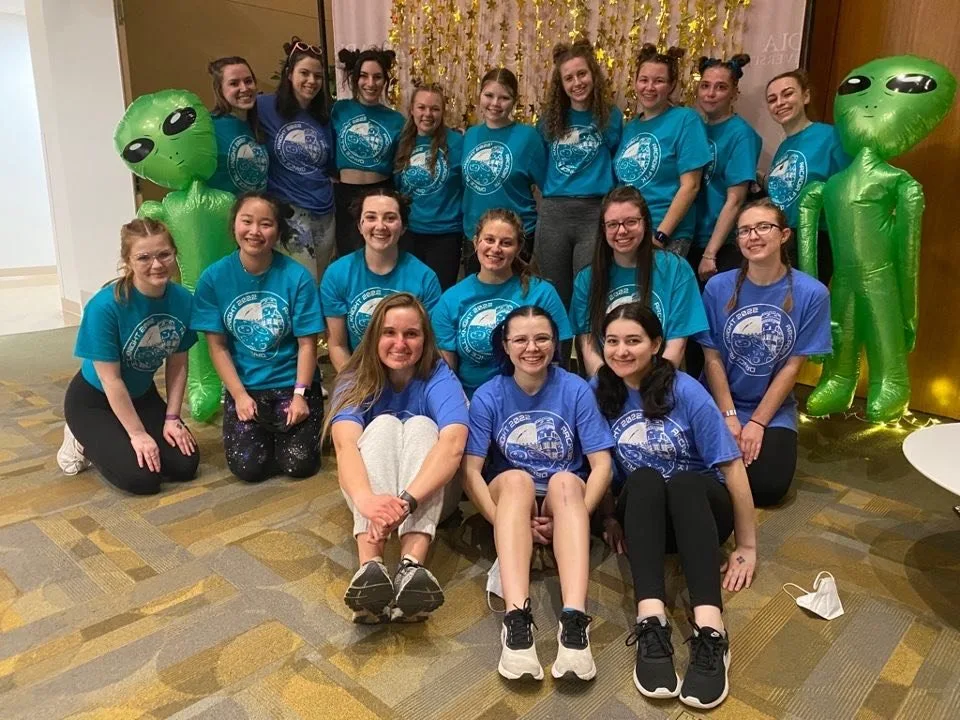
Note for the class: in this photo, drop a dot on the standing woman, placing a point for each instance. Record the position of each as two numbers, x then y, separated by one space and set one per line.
682 489
356 283
261 315
367 133
129 329
663 150
428 171
810 151
765 320
295 122
629 267
468 312
502 160
581 128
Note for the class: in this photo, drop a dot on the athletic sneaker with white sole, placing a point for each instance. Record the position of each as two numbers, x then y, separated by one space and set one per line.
706 683
70 455
370 593
654 674
574 658
519 655
417 592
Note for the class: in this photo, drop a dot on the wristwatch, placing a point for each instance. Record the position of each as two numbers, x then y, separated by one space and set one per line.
410 500
729 413
300 389
662 238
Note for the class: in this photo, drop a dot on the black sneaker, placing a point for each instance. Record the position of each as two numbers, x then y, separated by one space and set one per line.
706 683
519 654
370 593
574 658
417 592
654 673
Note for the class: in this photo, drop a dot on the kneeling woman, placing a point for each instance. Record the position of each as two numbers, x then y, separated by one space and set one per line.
129 329
261 315
683 488
399 425
541 428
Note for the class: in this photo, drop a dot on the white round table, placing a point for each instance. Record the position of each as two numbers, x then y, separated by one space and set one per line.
935 452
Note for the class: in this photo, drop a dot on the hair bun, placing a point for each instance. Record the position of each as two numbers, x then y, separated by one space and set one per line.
740 60
559 50
676 53
704 62
348 57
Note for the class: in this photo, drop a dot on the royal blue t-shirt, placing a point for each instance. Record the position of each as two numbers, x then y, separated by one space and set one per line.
814 153
139 334
542 434
735 150
758 336
674 295
350 290
366 136
654 154
581 162
436 197
468 312
301 154
439 398
691 437
261 315
499 167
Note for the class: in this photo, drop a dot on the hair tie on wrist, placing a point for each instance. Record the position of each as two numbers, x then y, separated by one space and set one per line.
171 417
299 385
757 422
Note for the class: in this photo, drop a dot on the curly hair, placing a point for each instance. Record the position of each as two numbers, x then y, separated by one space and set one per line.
557 103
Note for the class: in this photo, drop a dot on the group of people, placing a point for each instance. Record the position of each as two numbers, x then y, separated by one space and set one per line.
643 249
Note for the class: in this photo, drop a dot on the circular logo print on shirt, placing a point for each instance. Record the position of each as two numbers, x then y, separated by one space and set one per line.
787 178
487 167
152 341
708 170
757 337
639 161
300 148
538 441
575 150
628 294
364 141
259 320
362 307
476 326
660 444
418 180
247 163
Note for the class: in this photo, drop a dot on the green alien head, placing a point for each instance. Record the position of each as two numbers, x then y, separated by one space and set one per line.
891 104
167 137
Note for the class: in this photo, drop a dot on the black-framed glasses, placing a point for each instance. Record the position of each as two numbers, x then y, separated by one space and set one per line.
629 224
762 229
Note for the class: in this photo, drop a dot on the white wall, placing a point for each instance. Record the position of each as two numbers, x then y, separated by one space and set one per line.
27 238
76 66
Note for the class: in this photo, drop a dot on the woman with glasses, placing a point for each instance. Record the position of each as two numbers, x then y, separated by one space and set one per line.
765 320
261 315
130 328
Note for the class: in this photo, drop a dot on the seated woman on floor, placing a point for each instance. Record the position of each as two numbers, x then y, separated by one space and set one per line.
129 329
399 424
540 426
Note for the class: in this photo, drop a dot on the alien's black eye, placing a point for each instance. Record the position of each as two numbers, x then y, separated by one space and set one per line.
855 84
912 83
179 120
137 150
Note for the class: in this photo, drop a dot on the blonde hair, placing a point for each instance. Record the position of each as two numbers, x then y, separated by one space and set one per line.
129 234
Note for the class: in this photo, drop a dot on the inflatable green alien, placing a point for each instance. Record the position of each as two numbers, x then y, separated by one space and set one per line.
167 138
873 213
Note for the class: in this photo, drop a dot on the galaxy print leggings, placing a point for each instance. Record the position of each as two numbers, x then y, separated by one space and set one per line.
264 447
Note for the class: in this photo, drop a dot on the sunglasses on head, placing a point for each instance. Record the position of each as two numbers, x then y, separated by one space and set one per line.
304 47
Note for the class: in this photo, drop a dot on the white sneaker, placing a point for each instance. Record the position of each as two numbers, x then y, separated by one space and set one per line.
519 655
573 647
70 455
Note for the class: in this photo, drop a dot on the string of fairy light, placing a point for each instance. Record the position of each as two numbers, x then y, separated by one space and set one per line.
454 42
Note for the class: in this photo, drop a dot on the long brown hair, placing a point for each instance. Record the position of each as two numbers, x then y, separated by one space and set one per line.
557 103
525 269
361 383
764 204
131 232
222 107
408 136
353 61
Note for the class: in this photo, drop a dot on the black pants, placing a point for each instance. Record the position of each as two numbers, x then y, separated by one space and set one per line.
824 256
728 258
691 513
344 198
107 445
440 252
263 447
772 472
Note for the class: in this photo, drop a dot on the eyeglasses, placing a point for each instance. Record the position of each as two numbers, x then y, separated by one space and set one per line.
629 224
304 47
146 259
520 343
762 229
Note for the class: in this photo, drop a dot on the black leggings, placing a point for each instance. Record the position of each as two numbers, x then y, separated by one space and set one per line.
263 447
772 472
344 197
107 445
691 513
441 252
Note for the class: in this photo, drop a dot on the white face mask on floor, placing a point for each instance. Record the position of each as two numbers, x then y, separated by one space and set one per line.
823 601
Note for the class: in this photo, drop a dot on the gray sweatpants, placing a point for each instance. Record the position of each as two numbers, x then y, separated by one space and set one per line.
566 233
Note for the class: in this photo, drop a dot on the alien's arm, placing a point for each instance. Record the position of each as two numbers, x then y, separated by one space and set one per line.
153 210
808 223
908 219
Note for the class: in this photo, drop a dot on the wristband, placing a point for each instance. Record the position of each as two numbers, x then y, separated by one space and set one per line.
172 417
300 389
708 257
410 500
730 413
299 385
757 422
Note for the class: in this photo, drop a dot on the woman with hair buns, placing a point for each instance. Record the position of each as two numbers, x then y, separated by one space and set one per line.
367 132
581 128
663 150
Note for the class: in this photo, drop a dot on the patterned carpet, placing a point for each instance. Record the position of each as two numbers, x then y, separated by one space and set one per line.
220 600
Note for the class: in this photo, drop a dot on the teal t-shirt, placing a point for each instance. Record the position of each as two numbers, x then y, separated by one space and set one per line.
350 290
139 334
242 162
500 166
366 135
581 162
468 312
814 153
261 315
653 154
674 296
437 196
735 150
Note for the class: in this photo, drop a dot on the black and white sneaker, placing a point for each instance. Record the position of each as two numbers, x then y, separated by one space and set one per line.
654 673
519 655
574 658
706 683
417 592
370 593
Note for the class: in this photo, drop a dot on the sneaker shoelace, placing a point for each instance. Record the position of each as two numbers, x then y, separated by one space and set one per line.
574 630
706 652
518 622
653 637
